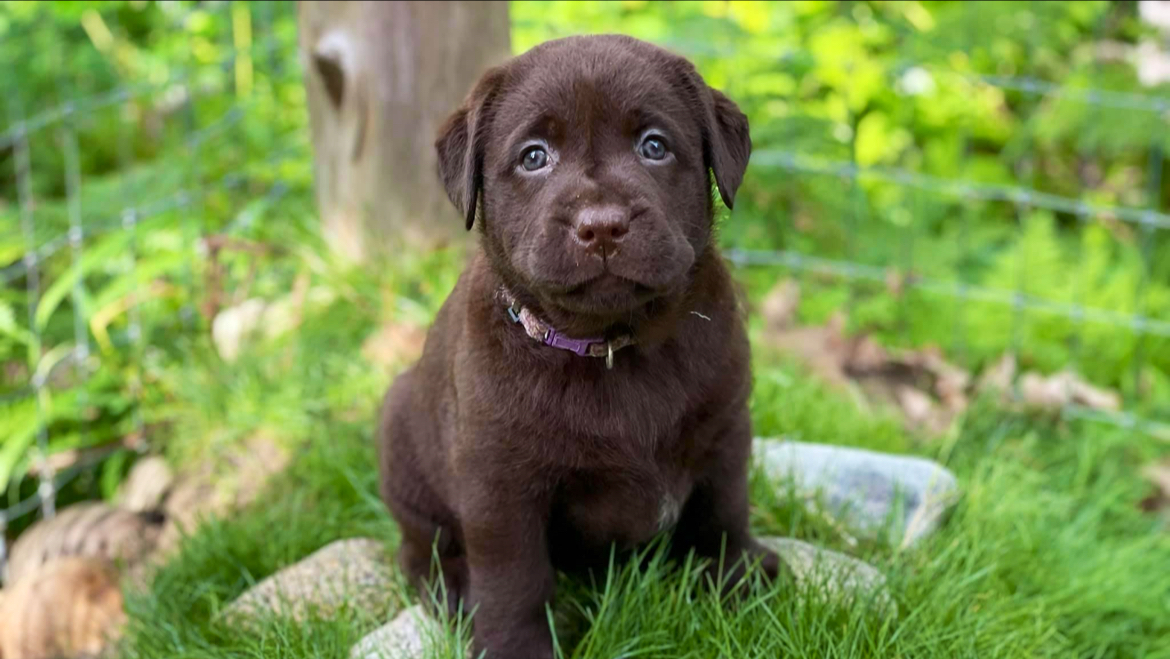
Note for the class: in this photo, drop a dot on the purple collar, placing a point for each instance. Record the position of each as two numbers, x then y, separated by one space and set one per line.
540 331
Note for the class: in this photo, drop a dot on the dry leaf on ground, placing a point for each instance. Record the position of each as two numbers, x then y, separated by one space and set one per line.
1060 389
70 607
1158 474
93 530
1045 392
928 391
147 485
998 378
216 487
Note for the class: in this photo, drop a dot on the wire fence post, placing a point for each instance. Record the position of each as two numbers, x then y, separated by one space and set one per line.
134 328
76 240
856 213
23 162
1146 239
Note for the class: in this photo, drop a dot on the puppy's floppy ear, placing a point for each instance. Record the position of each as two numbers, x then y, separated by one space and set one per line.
728 142
460 145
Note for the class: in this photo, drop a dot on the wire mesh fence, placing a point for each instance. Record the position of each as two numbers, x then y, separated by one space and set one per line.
86 338
68 241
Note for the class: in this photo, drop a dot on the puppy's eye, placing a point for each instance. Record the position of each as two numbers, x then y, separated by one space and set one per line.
534 158
653 148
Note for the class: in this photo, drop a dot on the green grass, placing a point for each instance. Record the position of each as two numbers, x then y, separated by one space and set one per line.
1045 555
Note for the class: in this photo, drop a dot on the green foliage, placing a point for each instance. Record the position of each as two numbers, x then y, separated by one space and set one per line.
1046 556
186 127
1098 272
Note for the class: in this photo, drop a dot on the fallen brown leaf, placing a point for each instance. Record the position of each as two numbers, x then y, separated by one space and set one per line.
1049 393
218 486
1094 397
950 382
928 391
1158 474
147 485
917 406
921 385
865 355
92 530
71 607
1060 389
998 378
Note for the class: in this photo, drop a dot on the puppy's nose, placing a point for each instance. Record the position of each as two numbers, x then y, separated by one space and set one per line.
600 228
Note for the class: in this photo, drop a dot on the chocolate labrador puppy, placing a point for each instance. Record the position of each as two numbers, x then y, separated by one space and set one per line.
586 383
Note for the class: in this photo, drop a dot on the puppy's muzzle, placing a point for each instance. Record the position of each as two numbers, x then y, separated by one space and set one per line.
600 230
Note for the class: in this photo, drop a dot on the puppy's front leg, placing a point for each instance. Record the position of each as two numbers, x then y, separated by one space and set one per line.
511 574
714 521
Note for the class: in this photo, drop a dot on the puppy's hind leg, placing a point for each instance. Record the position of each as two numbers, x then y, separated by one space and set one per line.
431 542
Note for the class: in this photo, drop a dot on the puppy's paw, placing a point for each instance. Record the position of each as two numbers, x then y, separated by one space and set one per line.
447 592
456 589
736 575
442 584
771 565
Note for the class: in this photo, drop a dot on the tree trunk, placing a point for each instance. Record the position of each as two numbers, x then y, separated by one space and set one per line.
380 78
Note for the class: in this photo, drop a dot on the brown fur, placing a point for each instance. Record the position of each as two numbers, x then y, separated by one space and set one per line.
511 459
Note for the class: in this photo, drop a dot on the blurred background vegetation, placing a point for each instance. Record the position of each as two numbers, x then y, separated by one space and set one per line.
187 125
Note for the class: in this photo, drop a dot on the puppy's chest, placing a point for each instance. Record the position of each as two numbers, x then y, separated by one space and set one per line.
639 402
627 507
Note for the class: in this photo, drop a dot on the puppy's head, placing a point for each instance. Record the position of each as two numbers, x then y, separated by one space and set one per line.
587 162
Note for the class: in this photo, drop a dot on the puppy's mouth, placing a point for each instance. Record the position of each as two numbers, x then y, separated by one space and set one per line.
606 294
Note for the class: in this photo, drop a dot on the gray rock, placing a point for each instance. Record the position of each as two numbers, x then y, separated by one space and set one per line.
838 576
867 491
406 637
353 573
